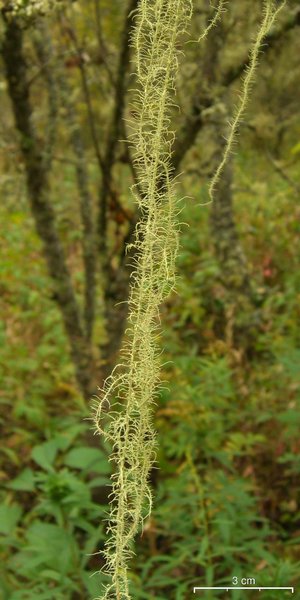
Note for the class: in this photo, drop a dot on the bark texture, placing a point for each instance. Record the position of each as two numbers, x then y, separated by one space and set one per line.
116 279
38 193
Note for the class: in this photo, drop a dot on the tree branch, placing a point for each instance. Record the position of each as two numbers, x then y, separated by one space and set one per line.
85 87
114 128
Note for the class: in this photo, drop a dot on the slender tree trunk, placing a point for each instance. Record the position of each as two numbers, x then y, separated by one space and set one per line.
38 192
116 311
116 280
43 48
88 243
229 252
228 249
115 128
45 52
239 321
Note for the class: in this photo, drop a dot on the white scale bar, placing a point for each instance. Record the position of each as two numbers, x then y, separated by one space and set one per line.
243 588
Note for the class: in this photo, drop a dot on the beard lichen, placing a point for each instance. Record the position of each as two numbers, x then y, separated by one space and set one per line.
134 382
270 12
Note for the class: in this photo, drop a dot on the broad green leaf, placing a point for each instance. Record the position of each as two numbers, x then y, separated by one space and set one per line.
93 582
25 482
9 517
48 546
44 454
88 459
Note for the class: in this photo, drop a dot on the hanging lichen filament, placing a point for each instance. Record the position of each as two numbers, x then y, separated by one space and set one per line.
135 381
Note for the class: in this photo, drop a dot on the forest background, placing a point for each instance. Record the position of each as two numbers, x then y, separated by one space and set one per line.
226 489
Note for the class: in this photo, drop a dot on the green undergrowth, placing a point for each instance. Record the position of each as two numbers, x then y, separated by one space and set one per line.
226 483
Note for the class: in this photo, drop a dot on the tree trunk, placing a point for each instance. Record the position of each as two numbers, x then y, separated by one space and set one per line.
240 319
45 50
116 310
38 193
229 252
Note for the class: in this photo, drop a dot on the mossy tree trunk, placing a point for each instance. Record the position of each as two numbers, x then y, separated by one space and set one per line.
42 210
57 82
229 252
116 279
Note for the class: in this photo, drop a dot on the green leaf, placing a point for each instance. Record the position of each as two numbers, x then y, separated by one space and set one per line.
9 517
48 546
88 459
99 482
25 482
44 454
93 582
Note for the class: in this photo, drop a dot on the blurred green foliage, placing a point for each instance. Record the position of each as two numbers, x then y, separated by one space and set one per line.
227 482
226 486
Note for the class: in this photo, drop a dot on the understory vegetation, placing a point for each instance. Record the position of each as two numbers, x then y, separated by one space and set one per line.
227 483
226 479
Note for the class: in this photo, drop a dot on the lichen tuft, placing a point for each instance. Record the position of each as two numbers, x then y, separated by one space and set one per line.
134 383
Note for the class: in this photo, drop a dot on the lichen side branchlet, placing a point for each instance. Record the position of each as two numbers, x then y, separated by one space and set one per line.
270 13
221 8
158 26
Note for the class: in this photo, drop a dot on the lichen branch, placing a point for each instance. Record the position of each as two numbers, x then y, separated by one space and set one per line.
134 385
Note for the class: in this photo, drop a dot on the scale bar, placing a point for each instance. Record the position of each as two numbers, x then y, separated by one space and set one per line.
244 587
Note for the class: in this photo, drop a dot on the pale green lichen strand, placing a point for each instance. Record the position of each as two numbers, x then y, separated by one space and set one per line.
270 13
135 381
221 8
